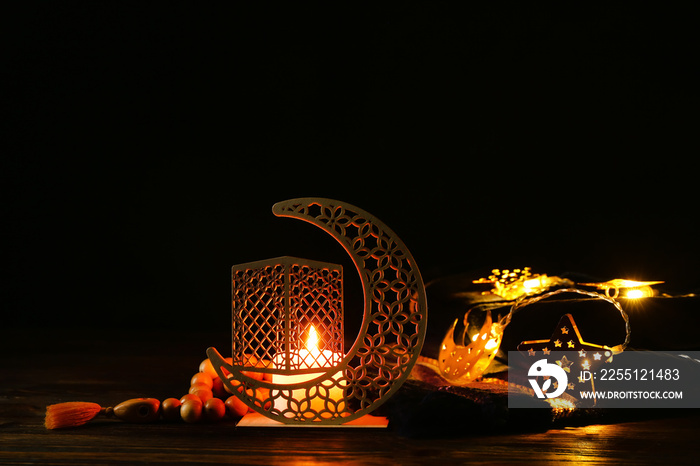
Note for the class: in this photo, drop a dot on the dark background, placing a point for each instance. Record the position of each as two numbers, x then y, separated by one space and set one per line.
149 141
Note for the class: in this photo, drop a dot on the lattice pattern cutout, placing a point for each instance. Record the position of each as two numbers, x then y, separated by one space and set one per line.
389 341
275 302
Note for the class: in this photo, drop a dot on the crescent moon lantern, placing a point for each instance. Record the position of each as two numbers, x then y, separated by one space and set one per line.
395 314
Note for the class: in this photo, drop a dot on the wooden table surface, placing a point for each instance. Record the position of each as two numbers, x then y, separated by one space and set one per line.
44 367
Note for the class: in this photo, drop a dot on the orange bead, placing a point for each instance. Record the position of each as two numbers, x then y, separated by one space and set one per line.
190 396
191 411
214 409
170 409
253 375
198 386
207 367
218 388
235 383
227 389
203 394
235 407
202 378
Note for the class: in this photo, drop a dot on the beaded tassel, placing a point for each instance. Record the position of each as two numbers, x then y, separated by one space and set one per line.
205 401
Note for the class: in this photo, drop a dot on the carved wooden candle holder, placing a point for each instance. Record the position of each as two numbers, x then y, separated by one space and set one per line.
288 362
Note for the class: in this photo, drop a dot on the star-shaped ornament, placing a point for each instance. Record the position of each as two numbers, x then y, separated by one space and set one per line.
573 342
565 364
566 337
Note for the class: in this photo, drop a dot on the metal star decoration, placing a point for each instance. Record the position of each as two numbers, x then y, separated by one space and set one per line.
562 336
566 337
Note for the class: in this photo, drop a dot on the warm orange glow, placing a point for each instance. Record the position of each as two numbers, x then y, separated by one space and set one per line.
560 404
310 357
312 341
534 283
623 283
513 284
632 289
492 343
642 292
465 359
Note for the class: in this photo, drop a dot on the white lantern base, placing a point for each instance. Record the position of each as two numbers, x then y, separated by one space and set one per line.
258 420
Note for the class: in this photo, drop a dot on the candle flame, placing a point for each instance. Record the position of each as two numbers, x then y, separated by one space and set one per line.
312 341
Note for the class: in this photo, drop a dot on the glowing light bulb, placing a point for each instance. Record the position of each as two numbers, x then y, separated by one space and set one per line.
519 282
492 343
532 283
635 289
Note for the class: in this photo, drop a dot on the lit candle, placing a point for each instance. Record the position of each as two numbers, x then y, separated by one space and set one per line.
309 357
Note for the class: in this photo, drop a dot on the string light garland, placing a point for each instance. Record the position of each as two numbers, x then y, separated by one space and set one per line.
567 337
632 289
526 302
517 283
465 359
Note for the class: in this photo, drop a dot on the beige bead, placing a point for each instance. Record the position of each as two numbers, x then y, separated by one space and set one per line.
138 410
